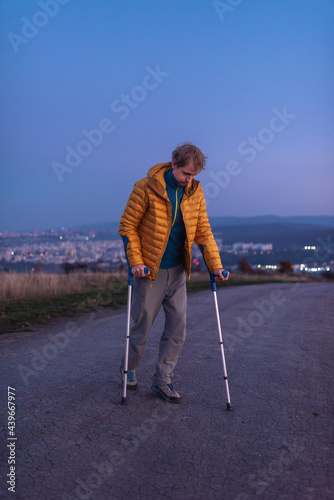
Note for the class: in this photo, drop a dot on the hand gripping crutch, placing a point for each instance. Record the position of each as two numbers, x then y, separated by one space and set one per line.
214 289
126 357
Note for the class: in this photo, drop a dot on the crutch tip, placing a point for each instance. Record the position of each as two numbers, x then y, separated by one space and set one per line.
229 407
124 401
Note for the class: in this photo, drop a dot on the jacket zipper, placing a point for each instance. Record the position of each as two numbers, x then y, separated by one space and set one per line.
176 206
166 240
182 201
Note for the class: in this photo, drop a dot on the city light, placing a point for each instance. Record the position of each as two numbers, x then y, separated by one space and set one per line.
314 269
27 249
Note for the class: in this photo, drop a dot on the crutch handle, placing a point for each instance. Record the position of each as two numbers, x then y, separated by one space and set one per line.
212 276
130 275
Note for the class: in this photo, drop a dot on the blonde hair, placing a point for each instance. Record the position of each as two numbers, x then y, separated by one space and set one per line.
186 152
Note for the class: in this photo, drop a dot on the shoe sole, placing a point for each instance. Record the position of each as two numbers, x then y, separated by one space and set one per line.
159 392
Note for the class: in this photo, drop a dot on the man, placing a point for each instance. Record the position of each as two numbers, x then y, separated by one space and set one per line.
164 216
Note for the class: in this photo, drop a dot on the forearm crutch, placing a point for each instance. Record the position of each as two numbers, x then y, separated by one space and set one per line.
214 290
128 320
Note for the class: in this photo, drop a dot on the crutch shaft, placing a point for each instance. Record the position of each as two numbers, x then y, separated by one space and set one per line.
222 350
128 320
126 356
214 290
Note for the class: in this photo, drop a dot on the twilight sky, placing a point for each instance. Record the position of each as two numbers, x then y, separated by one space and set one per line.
96 92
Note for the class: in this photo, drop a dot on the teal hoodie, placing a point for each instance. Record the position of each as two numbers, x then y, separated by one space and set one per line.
173 253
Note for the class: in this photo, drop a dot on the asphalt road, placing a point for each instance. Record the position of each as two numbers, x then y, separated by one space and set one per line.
76 441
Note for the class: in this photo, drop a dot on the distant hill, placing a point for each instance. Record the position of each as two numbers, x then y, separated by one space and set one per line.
316 220
268 220
281 235
283 232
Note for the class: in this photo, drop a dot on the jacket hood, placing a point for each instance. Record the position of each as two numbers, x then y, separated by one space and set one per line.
159 168
156 174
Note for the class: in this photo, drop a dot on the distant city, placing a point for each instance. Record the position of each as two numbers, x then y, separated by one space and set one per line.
64 250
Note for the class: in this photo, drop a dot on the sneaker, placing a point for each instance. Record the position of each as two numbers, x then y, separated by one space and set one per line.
167 392
131 382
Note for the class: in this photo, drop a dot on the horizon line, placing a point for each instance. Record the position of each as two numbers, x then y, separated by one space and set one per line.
114 222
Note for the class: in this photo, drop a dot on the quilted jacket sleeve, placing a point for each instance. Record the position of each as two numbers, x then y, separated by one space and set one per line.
205 237
133 213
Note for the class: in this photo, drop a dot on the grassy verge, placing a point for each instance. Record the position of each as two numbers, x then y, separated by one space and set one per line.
21 314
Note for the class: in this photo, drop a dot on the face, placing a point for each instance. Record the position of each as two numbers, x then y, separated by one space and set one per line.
184 175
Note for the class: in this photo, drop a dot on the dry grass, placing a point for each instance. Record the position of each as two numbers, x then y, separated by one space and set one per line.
22 285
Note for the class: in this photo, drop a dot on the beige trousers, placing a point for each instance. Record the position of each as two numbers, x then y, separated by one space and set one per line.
168 291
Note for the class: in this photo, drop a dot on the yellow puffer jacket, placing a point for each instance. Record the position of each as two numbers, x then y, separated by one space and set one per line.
147 220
